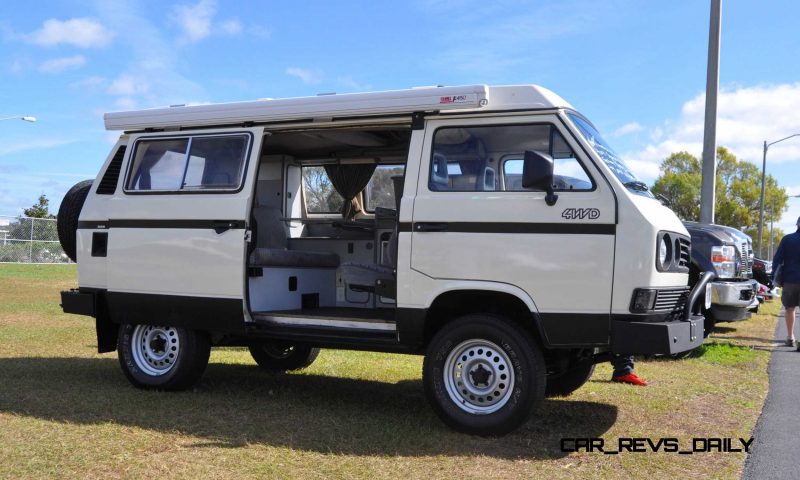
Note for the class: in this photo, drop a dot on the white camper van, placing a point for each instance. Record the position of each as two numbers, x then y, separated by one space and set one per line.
489 228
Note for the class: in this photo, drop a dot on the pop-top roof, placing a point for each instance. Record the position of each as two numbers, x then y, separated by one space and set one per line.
395 102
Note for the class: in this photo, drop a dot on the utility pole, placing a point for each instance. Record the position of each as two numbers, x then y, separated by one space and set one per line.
710 131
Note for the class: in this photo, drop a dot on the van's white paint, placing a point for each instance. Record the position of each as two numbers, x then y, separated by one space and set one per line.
549 273
561 273
175 261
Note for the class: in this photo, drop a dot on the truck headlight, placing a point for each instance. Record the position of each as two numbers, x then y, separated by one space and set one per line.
724 260
664 253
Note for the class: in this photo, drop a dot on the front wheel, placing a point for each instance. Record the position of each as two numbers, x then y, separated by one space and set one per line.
569 381
162 358
483 375
282 357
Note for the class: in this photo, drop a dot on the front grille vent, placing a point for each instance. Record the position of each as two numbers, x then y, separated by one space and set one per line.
685 254
671 300
745 261
108 185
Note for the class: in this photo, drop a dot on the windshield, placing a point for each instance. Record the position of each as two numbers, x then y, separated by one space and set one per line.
609 156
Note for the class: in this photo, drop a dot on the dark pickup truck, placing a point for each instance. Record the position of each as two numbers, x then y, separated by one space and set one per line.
729 253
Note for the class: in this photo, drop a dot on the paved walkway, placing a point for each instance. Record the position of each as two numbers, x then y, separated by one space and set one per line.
776 449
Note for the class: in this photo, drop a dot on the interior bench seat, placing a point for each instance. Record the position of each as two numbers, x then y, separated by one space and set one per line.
276 257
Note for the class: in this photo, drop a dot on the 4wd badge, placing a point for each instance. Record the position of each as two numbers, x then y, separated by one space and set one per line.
581 213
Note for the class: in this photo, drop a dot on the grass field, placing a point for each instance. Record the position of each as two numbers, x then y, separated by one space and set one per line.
66 411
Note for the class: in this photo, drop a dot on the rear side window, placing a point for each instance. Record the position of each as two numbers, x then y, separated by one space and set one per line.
188 164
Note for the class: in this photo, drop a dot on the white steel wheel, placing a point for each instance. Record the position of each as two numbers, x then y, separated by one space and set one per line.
162 357
483 374
478 376
155 349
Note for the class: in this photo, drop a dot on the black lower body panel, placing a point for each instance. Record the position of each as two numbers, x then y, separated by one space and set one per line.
647 338
222 315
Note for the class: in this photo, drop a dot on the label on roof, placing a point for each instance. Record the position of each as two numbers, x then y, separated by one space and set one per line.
449 99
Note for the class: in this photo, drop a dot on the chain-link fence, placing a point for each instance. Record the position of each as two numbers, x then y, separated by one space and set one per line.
30 240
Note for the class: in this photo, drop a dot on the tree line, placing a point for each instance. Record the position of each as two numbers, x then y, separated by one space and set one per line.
738 193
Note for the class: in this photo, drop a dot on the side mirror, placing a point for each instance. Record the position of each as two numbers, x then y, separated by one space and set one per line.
537 174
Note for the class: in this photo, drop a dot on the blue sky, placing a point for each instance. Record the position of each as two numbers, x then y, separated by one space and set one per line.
637 69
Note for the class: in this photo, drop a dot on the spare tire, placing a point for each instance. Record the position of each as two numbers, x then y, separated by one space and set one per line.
68 214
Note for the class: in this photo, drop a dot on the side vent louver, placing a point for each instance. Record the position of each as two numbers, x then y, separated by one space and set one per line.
108 185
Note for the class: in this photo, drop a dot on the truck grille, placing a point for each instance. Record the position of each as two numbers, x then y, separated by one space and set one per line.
685 252
746 261
670 300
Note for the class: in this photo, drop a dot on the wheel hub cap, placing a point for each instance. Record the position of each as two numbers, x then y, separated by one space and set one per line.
478 376
155 349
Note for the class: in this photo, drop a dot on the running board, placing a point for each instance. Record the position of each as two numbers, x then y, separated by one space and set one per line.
327 322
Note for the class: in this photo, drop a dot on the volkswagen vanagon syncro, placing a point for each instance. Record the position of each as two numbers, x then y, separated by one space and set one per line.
489 228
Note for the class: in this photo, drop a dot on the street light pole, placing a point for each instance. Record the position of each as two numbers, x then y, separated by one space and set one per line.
26 118
763 178
709 169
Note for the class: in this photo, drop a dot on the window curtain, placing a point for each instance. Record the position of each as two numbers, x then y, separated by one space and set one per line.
349 180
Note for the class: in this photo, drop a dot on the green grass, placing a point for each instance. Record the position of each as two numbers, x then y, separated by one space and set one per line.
67 412
724 353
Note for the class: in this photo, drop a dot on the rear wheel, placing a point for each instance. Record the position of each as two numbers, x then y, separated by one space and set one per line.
162 358
569 381
282 357
483 375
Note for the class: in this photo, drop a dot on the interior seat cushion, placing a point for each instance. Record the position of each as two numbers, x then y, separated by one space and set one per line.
274 257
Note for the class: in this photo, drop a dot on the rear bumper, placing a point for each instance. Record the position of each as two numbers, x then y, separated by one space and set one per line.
79 303
651 334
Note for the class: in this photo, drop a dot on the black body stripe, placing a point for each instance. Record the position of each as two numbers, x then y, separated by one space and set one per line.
198 224
535 228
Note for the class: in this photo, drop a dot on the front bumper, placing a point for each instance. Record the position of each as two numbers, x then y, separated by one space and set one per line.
643 337
733 294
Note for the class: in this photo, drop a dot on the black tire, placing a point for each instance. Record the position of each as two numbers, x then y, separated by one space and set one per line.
282 357
184 359
68 213
708 324
497 402
569 381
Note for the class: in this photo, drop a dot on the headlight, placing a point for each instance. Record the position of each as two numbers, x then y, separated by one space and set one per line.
724 260
662 251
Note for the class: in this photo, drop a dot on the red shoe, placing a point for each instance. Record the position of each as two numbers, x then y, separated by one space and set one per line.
631 378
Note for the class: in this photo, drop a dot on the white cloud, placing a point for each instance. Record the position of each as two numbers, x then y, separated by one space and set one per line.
350 83
151 77
58 65
627 129
197 21
308 77
15 67
127 85
89 83
746 117
80 32
8 148
231 27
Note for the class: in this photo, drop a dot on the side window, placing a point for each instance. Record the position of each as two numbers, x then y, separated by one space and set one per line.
380 189
490 158
319 193
183 164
